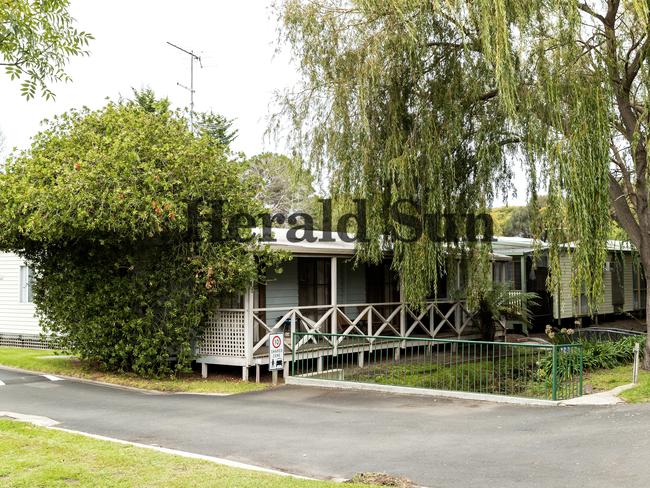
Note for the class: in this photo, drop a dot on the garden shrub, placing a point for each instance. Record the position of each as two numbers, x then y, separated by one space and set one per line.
595 355
98 208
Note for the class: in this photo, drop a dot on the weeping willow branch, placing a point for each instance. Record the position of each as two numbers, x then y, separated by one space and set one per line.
432 100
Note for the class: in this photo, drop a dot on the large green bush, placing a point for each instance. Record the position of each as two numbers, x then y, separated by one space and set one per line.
98 207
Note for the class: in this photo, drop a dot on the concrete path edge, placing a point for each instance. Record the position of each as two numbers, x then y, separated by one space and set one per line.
603 398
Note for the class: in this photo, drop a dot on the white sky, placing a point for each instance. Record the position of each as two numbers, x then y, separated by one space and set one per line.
236 40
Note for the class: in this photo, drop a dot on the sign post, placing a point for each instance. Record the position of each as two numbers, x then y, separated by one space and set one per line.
276 354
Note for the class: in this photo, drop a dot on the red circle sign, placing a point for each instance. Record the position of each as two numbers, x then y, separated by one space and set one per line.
276 342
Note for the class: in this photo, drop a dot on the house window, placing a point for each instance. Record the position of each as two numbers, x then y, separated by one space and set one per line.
381 283
639 287
314 281
515 272
499 271
26 276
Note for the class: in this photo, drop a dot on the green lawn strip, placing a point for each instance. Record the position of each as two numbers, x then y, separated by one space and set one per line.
45 361
606 379
503 377
35 456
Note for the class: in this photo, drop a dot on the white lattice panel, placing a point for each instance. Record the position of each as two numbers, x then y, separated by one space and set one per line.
224 335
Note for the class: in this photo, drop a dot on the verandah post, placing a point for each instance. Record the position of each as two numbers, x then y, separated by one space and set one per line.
333 302
402 315
248 330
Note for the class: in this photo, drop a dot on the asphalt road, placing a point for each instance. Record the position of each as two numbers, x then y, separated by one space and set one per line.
328 433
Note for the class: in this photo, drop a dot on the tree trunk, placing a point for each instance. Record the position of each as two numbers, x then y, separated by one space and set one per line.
646 356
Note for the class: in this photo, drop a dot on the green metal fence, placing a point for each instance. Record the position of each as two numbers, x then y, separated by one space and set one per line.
543 371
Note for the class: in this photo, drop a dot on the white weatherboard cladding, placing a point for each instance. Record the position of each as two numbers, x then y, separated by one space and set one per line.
16 318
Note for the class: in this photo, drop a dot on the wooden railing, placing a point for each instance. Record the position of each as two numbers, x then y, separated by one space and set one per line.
366 319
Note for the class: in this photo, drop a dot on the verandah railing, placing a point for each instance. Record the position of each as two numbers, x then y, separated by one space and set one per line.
367 319
543 371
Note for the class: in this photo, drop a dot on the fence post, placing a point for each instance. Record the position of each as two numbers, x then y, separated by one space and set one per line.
581 369
334 319
402 314
554 387
635 369
370 328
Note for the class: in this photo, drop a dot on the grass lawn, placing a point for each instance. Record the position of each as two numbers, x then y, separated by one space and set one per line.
35 456
505 376
45 361
606 379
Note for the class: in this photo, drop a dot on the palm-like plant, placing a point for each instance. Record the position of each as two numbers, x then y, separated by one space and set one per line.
494 303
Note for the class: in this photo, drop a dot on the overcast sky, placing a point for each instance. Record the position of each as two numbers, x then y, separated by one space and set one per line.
236 40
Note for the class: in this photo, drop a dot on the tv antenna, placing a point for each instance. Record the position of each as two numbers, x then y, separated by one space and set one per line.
193 57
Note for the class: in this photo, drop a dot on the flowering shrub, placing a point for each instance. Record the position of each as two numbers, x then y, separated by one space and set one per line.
595 355
559 336
98 207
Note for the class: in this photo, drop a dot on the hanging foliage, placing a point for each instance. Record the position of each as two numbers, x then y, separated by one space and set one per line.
395 107
436 100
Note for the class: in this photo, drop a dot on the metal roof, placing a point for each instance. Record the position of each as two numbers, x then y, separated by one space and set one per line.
335 247
513 246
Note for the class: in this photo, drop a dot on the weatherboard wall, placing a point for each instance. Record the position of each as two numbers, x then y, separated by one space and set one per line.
16 318
571 306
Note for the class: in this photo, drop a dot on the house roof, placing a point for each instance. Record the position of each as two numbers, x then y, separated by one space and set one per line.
334 247
514 246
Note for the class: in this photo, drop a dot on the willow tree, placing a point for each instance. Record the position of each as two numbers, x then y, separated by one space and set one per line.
436 100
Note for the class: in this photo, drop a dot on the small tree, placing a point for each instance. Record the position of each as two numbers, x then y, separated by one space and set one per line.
37 39
492 303
98 207
287 186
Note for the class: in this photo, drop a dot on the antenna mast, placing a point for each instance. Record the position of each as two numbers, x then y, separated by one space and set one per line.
193 57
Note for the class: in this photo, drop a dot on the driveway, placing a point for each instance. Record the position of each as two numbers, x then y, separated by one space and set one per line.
329 433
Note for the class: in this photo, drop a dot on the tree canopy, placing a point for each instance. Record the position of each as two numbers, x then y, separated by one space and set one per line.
392 115
287 187
37 39
98 206
435 100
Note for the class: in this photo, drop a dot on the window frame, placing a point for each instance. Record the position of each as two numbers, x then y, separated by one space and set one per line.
26 282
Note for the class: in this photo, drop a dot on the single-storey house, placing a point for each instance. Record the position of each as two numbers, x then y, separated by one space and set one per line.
623 278
321 290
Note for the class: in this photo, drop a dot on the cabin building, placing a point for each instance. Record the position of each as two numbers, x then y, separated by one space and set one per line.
624 282
322 289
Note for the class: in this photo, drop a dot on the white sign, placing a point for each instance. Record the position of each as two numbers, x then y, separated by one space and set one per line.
276 352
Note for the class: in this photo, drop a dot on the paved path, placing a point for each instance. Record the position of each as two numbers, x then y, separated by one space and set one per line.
328 433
